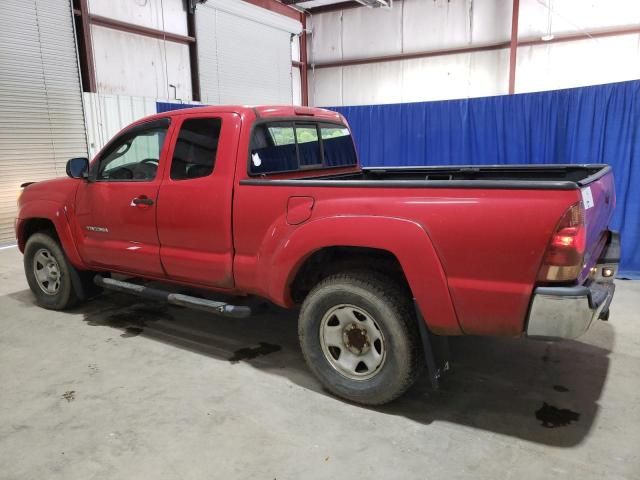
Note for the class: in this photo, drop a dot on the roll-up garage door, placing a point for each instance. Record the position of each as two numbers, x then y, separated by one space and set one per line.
41 117
244 53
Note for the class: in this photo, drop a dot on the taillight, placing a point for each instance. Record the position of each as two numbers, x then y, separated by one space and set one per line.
565 254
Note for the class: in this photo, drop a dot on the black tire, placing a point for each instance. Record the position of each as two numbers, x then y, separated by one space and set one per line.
391 309
65 295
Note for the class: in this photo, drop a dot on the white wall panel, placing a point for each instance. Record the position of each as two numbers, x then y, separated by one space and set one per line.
436 78
489 73
491 21
358 89
455 76
570 16
167 15
106 115
431 25
371 32
130 64
435 24
326 37
295 48
325 87
579 63
296 86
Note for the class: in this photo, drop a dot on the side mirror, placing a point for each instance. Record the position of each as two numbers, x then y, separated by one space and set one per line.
78 167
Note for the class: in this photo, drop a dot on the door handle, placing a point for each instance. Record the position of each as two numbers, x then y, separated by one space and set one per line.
142 200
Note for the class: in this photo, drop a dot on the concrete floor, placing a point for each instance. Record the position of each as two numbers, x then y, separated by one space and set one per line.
120 388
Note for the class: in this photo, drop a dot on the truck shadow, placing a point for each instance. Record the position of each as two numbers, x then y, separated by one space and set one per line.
537 391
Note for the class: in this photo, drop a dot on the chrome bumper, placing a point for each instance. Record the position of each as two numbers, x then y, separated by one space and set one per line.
568 312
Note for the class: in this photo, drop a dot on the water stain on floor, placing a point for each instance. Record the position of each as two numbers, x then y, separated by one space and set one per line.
132 320
554 417
70 395
250 353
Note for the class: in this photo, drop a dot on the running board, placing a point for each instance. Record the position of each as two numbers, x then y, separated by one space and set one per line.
219 308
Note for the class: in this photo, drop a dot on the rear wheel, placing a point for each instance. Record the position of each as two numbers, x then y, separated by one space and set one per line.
359 336
48 272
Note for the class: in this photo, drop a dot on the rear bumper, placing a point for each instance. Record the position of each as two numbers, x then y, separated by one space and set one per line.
568 312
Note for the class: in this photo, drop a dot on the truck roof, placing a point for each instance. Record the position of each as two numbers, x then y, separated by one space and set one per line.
259 111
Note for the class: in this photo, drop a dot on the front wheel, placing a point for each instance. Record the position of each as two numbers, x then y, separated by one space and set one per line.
359 336
48 272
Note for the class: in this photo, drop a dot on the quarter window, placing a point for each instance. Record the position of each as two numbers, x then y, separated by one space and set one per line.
194 155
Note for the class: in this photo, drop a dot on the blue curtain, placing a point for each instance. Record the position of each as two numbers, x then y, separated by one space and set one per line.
167 107
599 124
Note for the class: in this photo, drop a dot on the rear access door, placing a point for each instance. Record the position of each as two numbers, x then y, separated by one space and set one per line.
195 200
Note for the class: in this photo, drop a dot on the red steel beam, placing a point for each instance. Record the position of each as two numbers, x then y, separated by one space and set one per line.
411 56
571 37
304 71
513 46
334 7
481 48
193 57
132 28
87 47
277 7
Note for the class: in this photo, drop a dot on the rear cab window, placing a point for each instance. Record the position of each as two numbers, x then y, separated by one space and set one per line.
278 147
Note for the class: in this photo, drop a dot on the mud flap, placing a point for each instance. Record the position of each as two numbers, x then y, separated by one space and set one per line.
435 348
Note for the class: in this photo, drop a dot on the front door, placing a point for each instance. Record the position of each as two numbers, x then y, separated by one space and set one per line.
116 208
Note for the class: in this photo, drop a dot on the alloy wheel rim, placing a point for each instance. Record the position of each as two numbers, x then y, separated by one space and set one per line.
352 342
47 271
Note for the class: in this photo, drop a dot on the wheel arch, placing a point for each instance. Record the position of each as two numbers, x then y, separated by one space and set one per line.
394 242
44 216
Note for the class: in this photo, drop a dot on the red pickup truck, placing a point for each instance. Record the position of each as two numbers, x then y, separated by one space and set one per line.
272 202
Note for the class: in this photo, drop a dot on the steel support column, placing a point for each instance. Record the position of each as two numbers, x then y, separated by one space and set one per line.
513 46
304 73
86 49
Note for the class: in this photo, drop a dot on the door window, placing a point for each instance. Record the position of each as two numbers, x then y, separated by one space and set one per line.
134 156
195 152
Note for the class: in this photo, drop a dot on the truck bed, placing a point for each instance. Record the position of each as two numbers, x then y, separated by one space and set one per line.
548 177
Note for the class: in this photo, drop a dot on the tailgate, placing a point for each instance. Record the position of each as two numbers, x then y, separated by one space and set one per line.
599 200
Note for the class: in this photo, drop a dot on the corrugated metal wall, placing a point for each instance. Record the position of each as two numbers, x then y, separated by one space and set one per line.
425 26
41 118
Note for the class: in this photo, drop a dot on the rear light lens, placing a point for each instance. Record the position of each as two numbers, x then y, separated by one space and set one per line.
564 257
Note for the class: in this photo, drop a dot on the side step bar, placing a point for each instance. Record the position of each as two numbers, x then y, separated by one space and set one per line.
219 308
